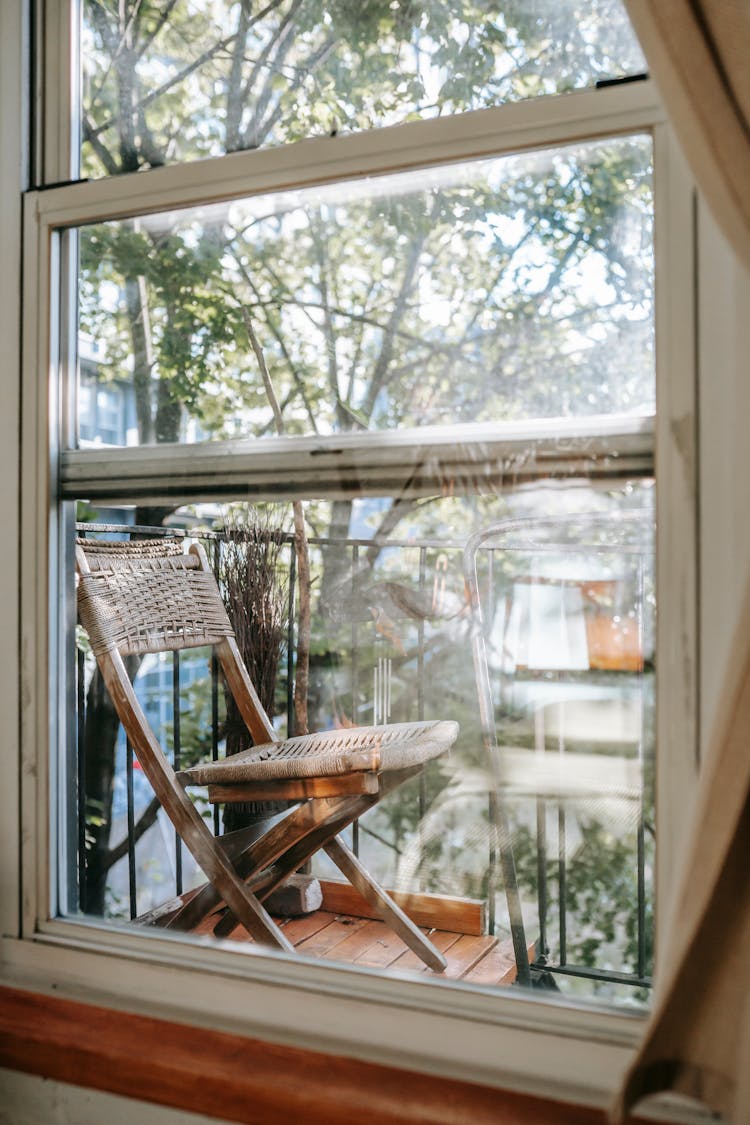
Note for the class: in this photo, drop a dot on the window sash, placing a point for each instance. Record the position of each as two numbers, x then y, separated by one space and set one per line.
540 123
407 462
577 446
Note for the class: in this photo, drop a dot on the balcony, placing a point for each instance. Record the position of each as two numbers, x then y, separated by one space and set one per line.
570 705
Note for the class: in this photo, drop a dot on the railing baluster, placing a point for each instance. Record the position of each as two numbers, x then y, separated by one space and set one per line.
562 868
215 728
81 771
132 887
492 857
420 638
420 697
215 693
355 638
541 844
355 670
176 756
641 849
290 643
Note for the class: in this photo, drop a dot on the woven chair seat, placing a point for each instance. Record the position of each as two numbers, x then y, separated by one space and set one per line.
329 753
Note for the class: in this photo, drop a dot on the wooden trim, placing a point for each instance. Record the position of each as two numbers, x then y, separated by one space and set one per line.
440 912
295 789
244 1080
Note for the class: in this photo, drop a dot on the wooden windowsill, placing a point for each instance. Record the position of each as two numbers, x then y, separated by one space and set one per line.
241 1079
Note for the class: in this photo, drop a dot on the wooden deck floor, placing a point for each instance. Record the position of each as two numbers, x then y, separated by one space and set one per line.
345 929
480 959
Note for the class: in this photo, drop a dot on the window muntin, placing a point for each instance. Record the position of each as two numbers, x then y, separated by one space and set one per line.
205 79
498 290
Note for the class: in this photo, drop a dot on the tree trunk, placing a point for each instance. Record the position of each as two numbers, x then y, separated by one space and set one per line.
100 742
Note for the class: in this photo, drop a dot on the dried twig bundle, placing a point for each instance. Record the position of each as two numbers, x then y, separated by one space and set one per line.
254 583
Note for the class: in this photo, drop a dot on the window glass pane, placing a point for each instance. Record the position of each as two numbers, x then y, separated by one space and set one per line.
562 756
179 81
510 288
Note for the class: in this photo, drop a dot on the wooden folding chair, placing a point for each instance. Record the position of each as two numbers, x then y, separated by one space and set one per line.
148 596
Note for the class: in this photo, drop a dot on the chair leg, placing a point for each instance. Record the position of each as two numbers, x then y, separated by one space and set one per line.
393 915
208 854
267 862
231 888
234 845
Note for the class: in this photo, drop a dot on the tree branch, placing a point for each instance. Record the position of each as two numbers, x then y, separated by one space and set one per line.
302 71
281 42
282 344
166 86
145 821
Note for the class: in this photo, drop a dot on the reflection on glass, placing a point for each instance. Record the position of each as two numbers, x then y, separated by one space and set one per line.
511 288
558 597
167 83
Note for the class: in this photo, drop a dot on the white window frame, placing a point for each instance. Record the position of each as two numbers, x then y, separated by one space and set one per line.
496 1038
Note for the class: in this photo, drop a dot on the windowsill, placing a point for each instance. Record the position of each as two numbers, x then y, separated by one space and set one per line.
207 1071
376 1027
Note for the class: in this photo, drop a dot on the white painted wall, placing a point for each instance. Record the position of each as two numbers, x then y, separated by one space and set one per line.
26 1100
724 441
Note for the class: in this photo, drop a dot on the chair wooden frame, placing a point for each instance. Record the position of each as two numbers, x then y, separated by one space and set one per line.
333 777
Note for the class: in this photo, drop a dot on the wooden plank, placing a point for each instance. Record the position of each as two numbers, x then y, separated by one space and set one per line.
294 790
239 1079
385 949
295 929
439 912
374 944
389 911
411 963
337 931
497 967
206 926
298 929
465 954
357 944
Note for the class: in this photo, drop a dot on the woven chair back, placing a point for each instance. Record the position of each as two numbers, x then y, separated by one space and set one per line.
148 596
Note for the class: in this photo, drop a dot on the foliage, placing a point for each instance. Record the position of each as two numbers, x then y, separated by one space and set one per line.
513 288
600 896
182 80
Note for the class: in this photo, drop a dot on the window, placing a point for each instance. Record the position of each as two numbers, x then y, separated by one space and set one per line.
457 316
